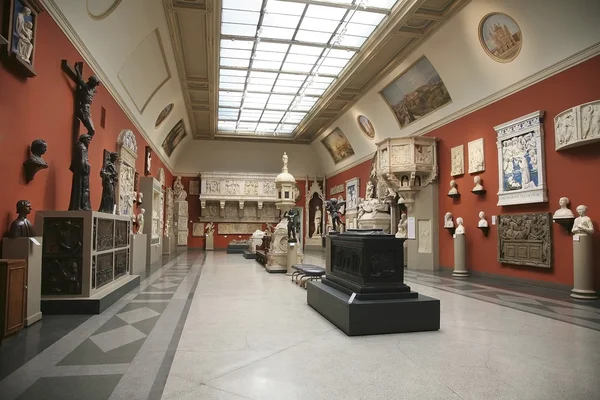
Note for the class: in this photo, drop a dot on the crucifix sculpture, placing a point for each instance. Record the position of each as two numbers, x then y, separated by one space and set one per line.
84 95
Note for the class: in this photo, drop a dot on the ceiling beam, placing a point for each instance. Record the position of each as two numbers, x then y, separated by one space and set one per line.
285 41
277 71
338 5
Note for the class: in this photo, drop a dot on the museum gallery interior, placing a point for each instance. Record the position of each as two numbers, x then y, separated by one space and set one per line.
299 199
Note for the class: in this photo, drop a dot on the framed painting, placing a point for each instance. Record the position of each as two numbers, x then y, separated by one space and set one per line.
352 192
20 32
338 146
521 169
163 115
366 126
174 137
500 36
417 92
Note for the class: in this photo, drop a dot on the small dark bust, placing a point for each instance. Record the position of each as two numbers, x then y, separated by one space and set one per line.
35 162
22 227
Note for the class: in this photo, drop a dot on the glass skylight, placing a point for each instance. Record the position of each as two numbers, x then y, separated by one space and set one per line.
278 57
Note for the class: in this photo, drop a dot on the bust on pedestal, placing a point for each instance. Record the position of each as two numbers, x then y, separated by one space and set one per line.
460 262
583 260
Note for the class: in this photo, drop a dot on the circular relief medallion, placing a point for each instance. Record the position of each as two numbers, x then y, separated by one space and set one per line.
163 114
366 126
500 36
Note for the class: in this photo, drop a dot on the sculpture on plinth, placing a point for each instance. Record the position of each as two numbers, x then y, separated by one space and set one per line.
179 193
35 162
563 211
460 229
84 95
22 227
210 229
80 167
583 224
291 225
402 227
333 207
109 177
140 220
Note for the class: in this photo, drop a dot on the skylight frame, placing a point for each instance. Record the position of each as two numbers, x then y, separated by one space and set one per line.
313 78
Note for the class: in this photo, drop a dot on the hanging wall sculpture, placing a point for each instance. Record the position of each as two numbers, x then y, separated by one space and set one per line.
525 239
20 31
127 149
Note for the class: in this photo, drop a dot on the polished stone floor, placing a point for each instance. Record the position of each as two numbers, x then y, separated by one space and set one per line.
217 326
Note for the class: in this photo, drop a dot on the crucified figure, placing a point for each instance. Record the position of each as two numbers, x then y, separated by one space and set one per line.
84 94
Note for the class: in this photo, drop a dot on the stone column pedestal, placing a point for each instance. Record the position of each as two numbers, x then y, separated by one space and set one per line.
460 257
209 243
137 254
583 268
292 256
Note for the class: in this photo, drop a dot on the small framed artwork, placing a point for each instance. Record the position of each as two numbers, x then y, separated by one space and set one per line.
457 155
163 114
194 188
338 146
366 126
20 33
136 182
148 162
500 36
476 156
352 190
174 137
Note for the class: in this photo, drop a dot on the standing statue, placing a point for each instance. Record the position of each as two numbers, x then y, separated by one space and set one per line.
318 222
140 220
178 190
333 207
22 227
80 167
402 227
291 226
583 224
109 177
35 162
285 162
84 95
210 229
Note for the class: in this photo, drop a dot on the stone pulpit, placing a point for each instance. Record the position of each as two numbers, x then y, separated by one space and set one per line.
364 291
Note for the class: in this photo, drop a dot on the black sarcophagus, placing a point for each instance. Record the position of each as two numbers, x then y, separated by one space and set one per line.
364 291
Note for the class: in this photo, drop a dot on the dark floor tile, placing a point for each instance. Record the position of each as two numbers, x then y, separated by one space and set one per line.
72 388
161 296
87 353
146 325
111 324
158 307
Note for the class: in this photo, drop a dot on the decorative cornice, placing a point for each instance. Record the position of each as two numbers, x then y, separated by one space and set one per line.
62 21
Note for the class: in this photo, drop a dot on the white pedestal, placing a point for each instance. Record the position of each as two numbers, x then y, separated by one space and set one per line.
181 217
137 253
31 252
292 257
460 264
583 268
169 244
209 243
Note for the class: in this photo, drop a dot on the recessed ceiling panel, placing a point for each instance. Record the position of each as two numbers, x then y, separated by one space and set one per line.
148 57
278 58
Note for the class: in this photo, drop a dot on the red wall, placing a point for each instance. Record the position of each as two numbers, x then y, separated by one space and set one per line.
565 175
221 241
42 107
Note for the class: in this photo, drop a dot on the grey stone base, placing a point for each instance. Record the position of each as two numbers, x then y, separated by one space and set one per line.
90 305
372 317
249 255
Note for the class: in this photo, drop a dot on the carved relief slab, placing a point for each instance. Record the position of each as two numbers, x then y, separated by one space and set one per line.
198 229
127 149
182 238
194 188
105 229
424 229
457 159
250 210
238 229
476 156
577 126
337 189
401 154
525 239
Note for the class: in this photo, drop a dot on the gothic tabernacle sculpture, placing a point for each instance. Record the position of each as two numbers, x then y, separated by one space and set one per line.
333 206
22 227
109 177
80 167
291 226
84 94
35 162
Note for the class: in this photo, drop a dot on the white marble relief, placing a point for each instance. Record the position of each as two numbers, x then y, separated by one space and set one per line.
577 126
457 157
425 236
476 156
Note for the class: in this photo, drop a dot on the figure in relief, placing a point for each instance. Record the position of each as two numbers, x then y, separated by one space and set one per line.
453 190
590 121
210 229
457 161
212 187
423 154
318 222
333 207
232 187
402 227
583 224
80 167
22 227
460 229
269 188
24 45
519 158
251 188
109 176
482 221
371 208
448 222
179 193
476 159
563 211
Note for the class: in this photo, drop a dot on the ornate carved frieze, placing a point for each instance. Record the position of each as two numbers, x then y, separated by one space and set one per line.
346 260
104 269
577 126
127 149
235 187
122 232
198 229
525 239
121 262
238 229
337 189
106 234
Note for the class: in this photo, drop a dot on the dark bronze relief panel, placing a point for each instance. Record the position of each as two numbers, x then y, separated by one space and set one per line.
63 237
93 272
382 265
525 239
104 269
121 233
106 234
346 260
94 233
121 262
61 276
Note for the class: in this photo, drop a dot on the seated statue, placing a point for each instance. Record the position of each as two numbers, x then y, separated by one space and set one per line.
22 227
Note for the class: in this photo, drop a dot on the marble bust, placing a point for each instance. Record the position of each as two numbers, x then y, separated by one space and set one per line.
563 211
478 186
35 162
402 227
460 229
583 224
448 223
482 221
22 227
453 189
